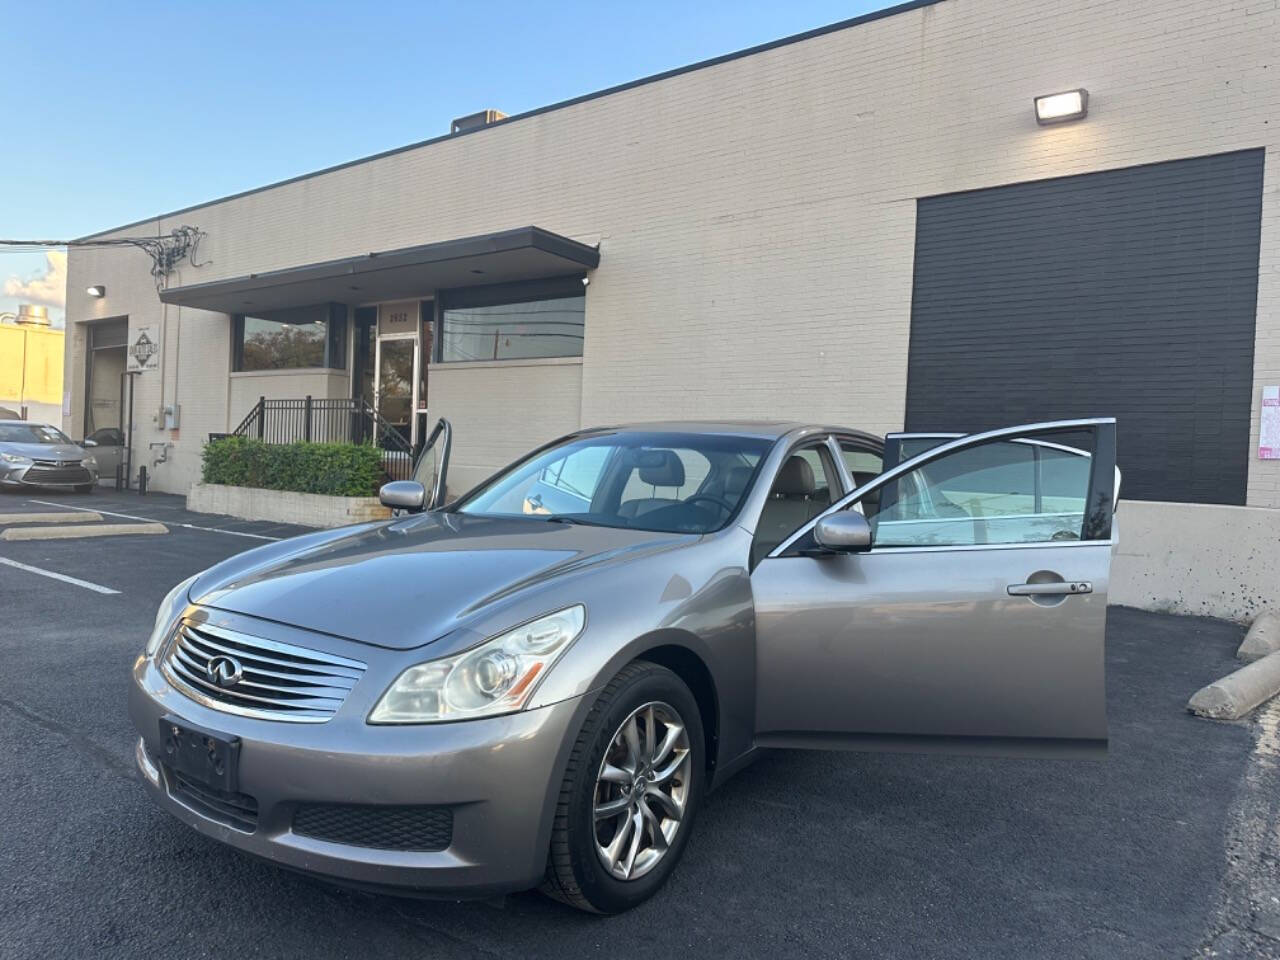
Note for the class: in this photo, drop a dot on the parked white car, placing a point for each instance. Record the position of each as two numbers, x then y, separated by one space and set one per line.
38 455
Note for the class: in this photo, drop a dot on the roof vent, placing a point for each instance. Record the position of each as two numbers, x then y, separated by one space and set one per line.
473 121
33 316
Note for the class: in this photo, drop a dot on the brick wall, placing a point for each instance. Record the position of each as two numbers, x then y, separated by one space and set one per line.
756 218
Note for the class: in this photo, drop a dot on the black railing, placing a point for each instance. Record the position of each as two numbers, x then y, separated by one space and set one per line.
327 420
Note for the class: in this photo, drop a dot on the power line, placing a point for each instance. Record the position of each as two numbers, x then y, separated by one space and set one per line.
166 252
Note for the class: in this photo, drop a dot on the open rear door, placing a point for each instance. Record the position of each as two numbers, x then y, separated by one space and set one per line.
975 620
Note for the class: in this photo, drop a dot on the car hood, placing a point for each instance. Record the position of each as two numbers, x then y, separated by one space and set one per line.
405 583
44 451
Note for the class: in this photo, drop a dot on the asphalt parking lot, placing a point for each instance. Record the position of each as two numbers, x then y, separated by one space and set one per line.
1168 848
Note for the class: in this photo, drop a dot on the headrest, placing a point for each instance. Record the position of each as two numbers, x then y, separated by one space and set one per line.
736 482
795 478
661 468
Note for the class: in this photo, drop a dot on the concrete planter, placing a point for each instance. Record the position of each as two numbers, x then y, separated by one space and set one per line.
281 506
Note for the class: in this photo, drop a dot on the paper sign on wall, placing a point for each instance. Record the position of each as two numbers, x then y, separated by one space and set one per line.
143 352
1269 432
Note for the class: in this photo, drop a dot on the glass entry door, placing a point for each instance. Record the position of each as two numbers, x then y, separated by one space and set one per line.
396 376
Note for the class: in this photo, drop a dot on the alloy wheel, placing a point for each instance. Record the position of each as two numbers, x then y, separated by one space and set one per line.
641 790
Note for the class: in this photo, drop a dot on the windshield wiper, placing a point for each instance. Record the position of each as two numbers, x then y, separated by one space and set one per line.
569 518
578 520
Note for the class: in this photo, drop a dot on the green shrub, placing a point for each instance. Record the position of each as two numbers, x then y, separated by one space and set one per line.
337 469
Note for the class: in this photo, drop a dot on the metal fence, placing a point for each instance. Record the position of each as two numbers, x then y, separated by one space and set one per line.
328 420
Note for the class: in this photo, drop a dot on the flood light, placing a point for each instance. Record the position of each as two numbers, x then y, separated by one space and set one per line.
1061 107
97 290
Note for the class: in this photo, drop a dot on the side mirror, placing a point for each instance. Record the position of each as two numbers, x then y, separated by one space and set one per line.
403 495
844 532
87 443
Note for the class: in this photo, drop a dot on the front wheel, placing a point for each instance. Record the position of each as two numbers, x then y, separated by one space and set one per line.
631 789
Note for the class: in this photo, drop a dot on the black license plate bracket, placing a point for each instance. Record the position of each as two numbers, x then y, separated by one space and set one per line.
207 756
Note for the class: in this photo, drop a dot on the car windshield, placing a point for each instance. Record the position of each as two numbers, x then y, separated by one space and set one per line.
669 482
31 433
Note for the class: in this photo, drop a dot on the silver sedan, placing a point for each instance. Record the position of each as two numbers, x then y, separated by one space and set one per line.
537 684
38 455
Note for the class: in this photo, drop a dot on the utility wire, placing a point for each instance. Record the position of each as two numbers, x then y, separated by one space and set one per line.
165 251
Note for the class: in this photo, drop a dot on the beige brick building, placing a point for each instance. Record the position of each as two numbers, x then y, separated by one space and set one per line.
771 231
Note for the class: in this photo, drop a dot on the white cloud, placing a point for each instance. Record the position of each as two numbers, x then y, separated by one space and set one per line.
47 286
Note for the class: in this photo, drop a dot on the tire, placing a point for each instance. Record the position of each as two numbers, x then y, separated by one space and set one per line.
576 873
84 488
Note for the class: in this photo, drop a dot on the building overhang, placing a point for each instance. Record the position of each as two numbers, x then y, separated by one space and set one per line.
526 253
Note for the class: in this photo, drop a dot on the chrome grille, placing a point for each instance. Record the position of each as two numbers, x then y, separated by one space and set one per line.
276 681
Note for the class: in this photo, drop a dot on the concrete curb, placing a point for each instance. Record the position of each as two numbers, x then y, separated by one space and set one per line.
67 533
282 506
1238 693
1262 639
68 517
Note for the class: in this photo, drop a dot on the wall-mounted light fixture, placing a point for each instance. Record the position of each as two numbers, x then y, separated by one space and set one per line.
97 290
586 281
1061 107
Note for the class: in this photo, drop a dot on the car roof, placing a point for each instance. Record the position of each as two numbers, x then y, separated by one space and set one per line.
763 429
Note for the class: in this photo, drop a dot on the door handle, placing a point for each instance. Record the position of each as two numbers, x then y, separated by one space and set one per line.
1050 589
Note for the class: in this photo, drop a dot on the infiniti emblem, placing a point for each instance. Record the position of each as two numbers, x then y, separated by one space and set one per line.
224 671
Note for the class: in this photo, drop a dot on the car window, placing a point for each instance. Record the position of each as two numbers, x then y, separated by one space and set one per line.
567 483
801 490
998 492
107 437
863 464
646 480
694 470
31 433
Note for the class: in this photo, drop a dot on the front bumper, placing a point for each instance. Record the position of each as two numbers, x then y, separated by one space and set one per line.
35 475
499 777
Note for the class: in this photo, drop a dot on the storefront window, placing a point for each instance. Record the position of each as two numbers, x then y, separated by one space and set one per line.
313 336
513 322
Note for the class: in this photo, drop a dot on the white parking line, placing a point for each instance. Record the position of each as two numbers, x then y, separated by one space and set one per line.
186 526
96 587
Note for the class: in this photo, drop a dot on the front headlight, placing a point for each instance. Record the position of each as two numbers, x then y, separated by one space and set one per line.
90 461
16 458
174 602
498 676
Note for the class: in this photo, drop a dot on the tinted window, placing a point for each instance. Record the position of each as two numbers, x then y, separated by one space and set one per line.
513 321
514 331
998 492
313 336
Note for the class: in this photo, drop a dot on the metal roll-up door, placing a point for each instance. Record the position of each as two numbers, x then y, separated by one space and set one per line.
1129 293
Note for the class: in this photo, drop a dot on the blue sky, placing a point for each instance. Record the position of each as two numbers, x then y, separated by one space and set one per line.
114 112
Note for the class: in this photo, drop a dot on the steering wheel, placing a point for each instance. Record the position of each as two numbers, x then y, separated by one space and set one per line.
720 502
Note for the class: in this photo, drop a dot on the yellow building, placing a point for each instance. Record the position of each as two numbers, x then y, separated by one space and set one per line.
31 371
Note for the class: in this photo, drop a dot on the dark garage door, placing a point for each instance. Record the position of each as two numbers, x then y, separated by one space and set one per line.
1130 293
